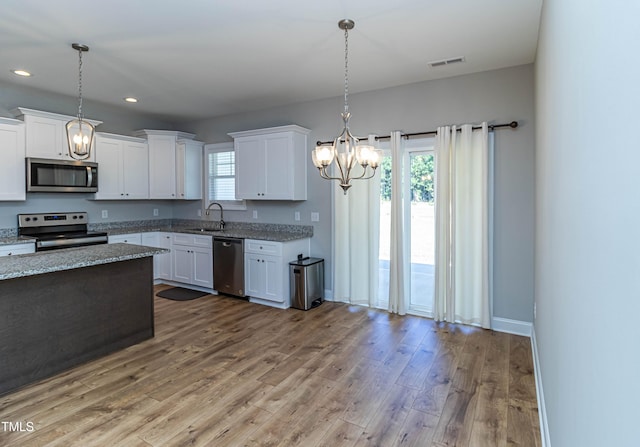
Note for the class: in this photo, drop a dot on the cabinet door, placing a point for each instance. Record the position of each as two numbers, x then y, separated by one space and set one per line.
254 273
12 168
135 167
164 260
45 138
202 267
109 158
189 170
162 167
182 263
249 153
272 266
277 182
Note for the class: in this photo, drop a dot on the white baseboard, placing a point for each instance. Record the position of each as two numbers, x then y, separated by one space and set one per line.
542 409
515 327
328 295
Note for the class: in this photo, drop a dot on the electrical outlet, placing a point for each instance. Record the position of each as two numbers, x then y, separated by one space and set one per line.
315 217
155 211
105 214
255 214
296 216
199 213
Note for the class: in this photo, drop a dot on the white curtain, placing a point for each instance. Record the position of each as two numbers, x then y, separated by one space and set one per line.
462 226
356 231
398 274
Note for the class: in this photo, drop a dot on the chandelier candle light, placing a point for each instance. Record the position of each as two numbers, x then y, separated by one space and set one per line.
345 150
80 132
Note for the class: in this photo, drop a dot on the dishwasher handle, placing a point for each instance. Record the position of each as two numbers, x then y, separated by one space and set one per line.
227 241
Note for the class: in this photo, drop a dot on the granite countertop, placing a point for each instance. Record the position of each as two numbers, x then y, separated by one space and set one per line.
266 232
18 266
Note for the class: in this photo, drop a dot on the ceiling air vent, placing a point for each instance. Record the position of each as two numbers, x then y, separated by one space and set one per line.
442 63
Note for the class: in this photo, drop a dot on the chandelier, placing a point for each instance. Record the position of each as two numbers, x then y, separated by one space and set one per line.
346 150
79 131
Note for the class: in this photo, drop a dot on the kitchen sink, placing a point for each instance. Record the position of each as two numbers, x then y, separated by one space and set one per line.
205 230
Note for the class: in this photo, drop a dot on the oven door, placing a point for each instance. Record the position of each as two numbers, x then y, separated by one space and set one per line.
70 241
45 175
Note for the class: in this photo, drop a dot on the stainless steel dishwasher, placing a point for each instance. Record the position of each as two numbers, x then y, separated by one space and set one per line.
228 265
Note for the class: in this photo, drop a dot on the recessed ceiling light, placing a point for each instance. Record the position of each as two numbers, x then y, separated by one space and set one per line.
23 73
131 99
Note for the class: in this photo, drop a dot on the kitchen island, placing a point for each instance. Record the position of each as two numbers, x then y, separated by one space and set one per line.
62 308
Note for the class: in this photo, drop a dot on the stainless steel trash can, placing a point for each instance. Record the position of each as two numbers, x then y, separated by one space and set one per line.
306 282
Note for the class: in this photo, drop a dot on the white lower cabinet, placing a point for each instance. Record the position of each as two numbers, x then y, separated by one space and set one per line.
161 262
17 249
266 270
192 259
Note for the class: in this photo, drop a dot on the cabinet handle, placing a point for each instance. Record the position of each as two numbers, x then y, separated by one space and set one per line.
10 253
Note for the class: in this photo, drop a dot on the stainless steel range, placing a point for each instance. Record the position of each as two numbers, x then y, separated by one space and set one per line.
53 231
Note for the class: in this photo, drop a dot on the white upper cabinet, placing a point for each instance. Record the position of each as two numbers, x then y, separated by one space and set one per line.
12 168
271 164
172 170
189 169
123 167
46 134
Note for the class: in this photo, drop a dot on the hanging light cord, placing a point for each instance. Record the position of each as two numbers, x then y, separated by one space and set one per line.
80 86
346 70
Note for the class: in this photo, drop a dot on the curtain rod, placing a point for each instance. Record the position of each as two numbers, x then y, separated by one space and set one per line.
512 125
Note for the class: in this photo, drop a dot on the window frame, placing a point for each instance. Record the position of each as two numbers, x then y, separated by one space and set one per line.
226 204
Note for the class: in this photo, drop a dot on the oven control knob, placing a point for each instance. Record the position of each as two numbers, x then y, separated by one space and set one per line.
80 217
35 218
27 219
75 217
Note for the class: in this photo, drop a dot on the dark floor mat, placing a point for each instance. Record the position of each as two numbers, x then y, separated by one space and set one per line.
180 294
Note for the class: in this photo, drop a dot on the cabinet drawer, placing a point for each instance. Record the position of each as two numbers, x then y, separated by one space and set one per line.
263 247
17 249
132 238
192 240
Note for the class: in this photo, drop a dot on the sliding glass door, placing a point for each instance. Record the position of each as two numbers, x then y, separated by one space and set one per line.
418 198
419 206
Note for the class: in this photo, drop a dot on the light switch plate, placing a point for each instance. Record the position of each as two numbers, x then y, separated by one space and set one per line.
105 214
315 217
296 216
255 214
155 211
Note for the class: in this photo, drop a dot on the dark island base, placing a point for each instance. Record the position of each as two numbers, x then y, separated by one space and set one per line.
53 321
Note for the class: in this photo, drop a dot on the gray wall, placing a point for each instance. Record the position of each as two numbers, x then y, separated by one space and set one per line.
495 96
587 265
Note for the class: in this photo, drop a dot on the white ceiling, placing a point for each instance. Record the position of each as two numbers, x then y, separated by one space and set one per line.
194 59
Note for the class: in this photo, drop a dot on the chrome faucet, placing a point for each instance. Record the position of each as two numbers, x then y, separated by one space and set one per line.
207 212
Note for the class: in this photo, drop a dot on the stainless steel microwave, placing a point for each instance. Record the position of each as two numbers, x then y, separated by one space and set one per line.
44 175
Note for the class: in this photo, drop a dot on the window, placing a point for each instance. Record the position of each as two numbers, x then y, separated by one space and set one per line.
220 180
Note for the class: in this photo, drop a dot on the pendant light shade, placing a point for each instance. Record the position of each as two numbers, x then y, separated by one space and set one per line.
80 132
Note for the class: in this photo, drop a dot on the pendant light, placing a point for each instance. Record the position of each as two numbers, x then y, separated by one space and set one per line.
346 150
80 132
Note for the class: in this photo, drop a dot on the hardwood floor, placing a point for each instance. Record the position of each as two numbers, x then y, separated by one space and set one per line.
223 372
